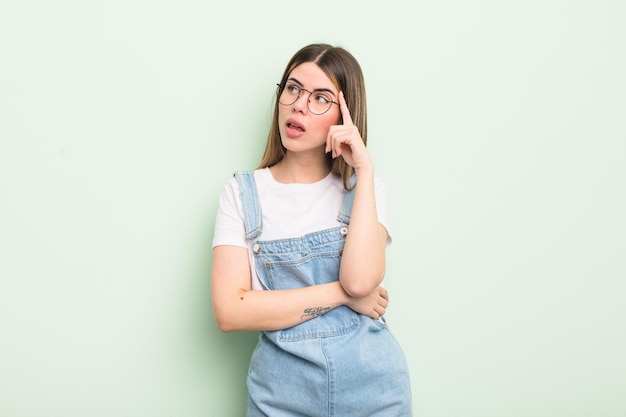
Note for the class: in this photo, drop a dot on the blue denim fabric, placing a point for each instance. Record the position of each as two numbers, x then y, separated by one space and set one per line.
340 364
253 219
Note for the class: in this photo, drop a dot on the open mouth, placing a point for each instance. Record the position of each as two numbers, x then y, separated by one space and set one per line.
292 124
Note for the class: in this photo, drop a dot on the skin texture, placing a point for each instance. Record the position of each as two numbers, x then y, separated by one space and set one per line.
238 307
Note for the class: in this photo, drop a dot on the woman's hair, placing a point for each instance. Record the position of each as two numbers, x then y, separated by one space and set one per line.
345 72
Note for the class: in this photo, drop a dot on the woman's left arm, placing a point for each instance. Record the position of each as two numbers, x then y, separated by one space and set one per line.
363 261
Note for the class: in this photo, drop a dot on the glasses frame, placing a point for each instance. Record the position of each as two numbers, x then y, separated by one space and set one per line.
281 89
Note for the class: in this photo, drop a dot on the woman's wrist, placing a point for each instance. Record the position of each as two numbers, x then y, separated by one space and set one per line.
364 172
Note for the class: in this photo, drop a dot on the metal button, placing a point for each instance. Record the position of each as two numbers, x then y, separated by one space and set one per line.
256 248
343 231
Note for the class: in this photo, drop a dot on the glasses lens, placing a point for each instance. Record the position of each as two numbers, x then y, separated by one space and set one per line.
289 95
318 102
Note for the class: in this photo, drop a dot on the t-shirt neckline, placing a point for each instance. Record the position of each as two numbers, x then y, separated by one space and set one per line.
271 178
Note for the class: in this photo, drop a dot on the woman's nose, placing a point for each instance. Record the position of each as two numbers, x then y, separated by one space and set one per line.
302 102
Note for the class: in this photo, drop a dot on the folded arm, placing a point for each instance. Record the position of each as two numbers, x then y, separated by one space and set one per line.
237 307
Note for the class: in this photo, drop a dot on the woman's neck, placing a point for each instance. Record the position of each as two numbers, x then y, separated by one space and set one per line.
300 169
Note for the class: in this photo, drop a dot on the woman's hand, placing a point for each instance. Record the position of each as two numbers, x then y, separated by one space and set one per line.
373 305
345 140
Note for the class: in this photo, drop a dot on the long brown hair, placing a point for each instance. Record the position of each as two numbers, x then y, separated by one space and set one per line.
345 72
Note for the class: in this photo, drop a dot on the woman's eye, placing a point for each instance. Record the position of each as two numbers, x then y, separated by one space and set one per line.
292 89
322 98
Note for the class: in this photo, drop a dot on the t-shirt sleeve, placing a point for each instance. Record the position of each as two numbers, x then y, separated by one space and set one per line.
381 206
229 223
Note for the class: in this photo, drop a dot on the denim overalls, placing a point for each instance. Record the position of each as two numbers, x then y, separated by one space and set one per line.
340 364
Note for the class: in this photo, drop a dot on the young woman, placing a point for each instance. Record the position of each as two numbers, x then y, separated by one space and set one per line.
299 254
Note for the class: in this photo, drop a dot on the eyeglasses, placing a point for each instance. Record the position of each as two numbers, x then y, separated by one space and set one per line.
319 102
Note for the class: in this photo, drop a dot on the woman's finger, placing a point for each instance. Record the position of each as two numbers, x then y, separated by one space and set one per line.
345 112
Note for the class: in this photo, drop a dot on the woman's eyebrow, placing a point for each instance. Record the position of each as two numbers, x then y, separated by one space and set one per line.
317 89
295 81
326 90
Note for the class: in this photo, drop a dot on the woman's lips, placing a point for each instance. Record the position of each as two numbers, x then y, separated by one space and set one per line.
294 128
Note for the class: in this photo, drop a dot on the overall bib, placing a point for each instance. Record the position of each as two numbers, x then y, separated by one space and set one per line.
339 364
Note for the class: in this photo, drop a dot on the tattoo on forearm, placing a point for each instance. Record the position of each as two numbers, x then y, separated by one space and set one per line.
314 312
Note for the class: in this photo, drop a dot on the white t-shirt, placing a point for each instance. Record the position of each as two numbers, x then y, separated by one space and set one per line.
289 210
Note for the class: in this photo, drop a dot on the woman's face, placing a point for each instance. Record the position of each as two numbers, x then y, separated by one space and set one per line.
300 130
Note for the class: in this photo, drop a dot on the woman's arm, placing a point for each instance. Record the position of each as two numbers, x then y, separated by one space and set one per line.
363 260
238 307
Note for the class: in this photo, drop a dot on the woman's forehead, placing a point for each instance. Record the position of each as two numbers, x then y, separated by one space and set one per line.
311 76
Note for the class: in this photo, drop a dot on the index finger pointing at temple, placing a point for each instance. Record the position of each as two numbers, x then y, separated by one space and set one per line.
345 112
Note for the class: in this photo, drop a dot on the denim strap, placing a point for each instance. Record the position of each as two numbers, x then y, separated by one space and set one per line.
250 202
346 205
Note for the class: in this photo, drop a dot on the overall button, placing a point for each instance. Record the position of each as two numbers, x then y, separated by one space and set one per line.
256 248
343 231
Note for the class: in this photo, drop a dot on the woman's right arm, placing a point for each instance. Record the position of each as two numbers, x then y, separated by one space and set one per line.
237 307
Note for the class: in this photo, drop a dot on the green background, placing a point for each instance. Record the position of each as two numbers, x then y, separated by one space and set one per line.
498 127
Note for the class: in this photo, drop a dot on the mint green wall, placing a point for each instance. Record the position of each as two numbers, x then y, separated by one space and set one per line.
498 127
